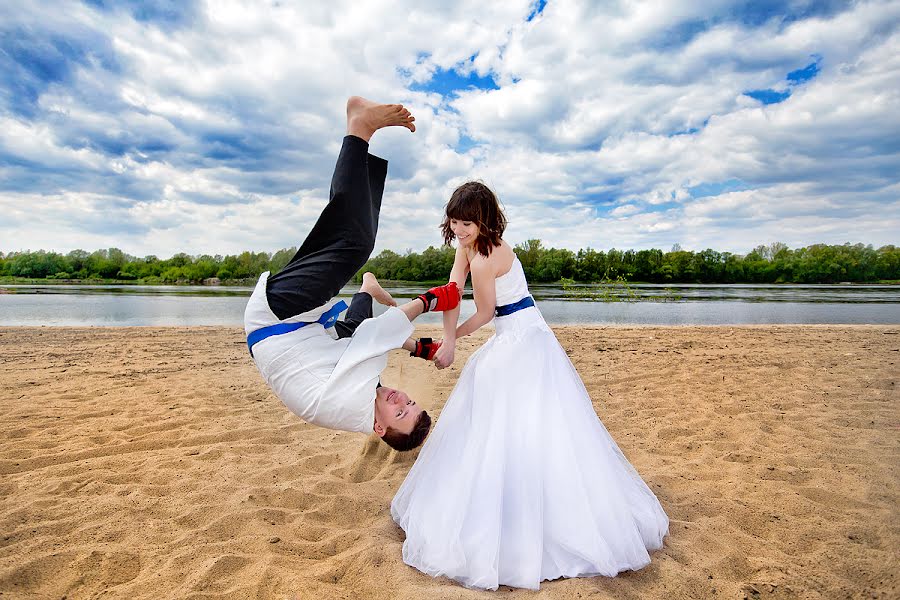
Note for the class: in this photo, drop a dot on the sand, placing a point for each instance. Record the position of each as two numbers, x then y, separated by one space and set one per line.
154 463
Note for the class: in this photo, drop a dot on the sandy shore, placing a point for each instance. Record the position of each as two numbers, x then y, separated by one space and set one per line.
154 463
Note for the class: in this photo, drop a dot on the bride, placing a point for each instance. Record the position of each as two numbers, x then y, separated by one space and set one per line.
519 482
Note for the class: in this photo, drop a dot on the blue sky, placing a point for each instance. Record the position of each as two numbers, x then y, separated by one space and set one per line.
161 127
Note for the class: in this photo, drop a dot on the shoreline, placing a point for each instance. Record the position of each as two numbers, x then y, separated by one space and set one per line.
250 283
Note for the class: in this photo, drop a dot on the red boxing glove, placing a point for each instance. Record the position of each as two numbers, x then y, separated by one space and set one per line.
425 348
442 297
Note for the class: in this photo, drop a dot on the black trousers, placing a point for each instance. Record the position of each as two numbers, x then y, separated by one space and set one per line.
360 310
340 242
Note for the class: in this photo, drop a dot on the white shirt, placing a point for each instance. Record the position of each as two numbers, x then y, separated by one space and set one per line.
325 381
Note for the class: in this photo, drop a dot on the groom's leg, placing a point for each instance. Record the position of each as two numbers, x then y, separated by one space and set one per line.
360 310
341 240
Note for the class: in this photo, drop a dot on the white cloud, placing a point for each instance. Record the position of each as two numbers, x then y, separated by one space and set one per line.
217 133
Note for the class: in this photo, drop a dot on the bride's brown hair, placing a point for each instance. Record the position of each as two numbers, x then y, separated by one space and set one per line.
473 201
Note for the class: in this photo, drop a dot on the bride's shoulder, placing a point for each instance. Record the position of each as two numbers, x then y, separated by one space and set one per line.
478 260
494 263
484 266
506 249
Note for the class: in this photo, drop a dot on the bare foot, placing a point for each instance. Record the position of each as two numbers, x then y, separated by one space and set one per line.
371 286
365 117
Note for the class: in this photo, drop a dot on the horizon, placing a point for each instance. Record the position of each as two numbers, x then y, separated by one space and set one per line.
406 251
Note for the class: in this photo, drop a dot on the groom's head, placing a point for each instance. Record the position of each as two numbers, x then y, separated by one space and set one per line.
398 420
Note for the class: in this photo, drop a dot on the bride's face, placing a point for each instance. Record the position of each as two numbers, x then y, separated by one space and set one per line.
466 232
394 409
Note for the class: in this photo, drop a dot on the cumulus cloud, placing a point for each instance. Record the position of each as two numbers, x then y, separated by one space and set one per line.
213 127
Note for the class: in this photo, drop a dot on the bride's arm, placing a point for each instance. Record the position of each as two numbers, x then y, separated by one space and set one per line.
485 292
460 271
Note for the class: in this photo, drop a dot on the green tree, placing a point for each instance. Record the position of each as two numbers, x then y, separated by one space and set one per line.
818 263
554 264
590 265
529 254
280 259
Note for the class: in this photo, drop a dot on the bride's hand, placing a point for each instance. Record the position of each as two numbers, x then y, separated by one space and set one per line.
443 358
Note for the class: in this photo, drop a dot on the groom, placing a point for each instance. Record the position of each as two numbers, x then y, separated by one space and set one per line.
327 379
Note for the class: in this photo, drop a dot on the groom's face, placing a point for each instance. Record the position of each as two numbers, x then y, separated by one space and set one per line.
394 409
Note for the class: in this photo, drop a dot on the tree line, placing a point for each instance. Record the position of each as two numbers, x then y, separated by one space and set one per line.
774 263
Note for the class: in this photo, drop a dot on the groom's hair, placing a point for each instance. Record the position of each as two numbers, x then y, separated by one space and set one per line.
407 441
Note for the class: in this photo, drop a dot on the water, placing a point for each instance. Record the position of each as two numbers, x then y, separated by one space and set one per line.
128 305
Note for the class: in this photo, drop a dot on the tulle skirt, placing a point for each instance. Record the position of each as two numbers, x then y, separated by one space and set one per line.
519 481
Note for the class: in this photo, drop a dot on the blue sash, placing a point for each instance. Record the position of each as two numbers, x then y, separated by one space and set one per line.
328 319
508 309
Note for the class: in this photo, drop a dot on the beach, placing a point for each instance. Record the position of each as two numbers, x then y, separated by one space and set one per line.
155 463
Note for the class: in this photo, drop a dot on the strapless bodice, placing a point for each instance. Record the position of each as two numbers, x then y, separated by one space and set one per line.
511 286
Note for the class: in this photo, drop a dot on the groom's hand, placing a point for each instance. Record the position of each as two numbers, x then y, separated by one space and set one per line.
425 348
443 358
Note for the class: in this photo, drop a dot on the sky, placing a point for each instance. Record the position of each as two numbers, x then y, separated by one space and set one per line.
161 127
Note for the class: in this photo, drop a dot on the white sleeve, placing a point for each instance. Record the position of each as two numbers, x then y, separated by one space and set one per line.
348 398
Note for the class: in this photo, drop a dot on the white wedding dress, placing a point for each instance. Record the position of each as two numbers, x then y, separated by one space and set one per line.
519 481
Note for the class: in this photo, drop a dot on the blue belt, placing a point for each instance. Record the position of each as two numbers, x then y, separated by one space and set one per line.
327 320
508 309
